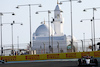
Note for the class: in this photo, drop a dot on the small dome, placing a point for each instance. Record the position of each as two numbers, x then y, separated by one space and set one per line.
57 8
42 30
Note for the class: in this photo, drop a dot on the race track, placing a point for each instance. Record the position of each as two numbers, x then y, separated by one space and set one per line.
45 64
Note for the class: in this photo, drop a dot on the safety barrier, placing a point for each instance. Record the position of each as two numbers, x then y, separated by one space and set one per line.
95 54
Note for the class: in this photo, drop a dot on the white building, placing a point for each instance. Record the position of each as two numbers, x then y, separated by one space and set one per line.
56 41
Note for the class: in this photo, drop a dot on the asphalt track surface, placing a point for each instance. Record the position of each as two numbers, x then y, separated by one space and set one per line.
45 64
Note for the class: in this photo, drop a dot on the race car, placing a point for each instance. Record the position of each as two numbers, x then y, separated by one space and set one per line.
87 60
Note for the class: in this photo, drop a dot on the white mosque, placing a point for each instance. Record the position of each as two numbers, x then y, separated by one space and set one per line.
49 40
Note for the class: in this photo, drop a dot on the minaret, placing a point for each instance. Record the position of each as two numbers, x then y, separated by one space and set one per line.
58 21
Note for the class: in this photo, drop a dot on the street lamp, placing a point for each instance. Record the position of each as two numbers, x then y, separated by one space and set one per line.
12 35
94 9
49 11
1 14
29 5
43 22
79 1
91 28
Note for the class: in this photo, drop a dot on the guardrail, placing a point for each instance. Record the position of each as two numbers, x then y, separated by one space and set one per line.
95 54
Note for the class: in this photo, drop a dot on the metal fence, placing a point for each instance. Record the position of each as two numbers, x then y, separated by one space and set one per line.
80 46
87 44
7 48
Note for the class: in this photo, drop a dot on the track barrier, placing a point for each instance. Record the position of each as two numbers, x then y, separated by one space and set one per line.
72 55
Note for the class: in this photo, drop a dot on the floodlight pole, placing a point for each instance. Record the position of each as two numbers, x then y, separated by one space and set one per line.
29 5
12 35
71 26
91 30
1 13
1 34
49 11
71 20
94 9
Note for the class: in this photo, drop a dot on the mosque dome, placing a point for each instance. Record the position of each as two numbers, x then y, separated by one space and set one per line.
43 30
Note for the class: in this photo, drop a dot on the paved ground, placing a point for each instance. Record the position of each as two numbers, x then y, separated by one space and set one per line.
43 64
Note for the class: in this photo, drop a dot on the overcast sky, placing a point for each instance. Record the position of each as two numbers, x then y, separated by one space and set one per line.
22 15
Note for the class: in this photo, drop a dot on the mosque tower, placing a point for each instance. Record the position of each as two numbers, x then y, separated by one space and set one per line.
58 21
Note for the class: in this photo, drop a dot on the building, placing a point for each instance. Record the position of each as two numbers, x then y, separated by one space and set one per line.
53 43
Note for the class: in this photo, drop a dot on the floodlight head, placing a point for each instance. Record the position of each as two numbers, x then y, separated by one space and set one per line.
49 11
81 21
61 11
79 1
21 24
17 7
60 3
91 20
37 13
84 10
1 24
13 22
1 13
51 21
41 22
13 14
40 5
94 8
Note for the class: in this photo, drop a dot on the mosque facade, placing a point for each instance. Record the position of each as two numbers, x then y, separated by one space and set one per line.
47 39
